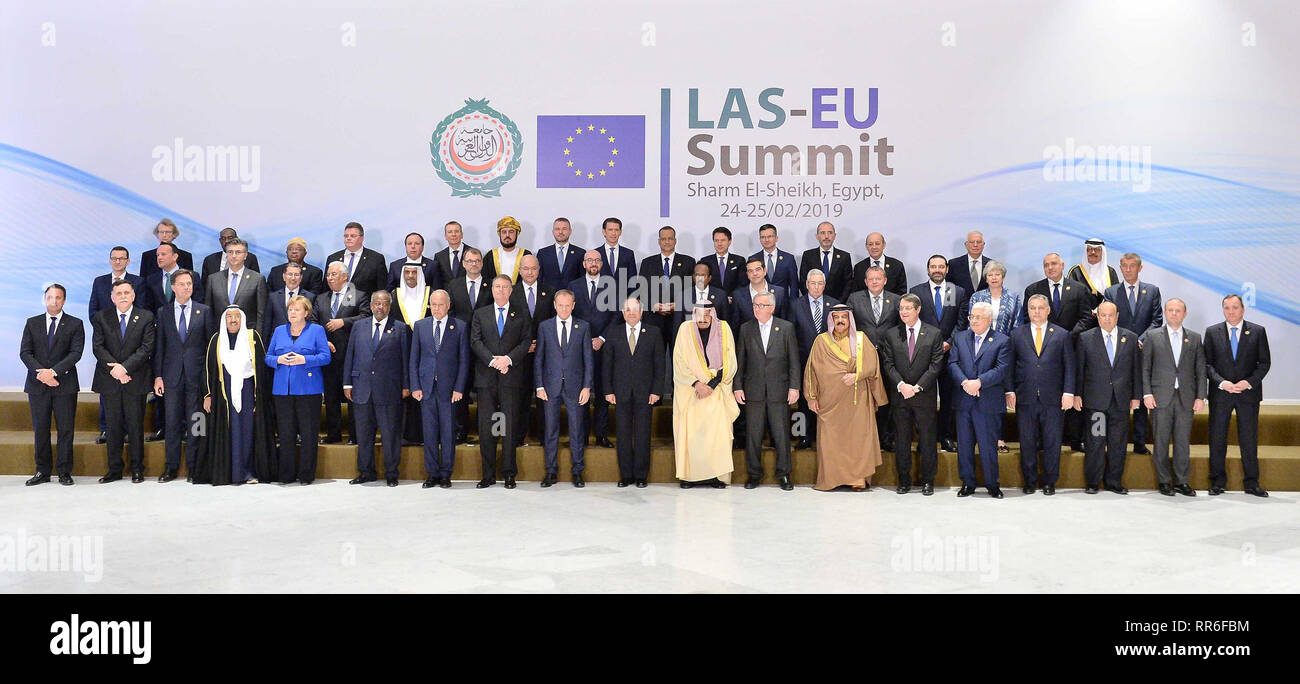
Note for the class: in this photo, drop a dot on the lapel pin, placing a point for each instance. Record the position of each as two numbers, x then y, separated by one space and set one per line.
774 329
451 327
512 314
1051 329
135 318
1245 332
1122 340
1144 292
1067 287
1186 340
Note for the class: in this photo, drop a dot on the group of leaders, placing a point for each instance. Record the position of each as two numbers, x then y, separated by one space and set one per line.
238 365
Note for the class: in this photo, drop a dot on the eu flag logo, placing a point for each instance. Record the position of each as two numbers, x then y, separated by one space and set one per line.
591 151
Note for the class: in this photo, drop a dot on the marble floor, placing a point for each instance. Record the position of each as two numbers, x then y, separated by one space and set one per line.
332 537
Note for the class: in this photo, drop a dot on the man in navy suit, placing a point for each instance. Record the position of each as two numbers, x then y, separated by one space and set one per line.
217 261
499 338
365 267
159 289
1041 390
375 380
979 363
595 301
967 271
726 270
1236 359
836 264
742 298
1110 385
781 268
895 272
562 370
166 232
664 274
51 346
414 253
1140 310
810 314
703 289
616 262
180 353
943 305
122 342
101 297
439 367
561 261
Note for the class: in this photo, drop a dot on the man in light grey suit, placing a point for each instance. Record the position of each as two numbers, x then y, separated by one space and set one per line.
768 375
1173 389
238 285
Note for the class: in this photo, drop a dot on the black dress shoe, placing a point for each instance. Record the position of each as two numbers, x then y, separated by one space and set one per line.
65 479
137 477
887 446
189 478
391 482
903 489
1257 491
1028 489
40 478
642 484
444 483
578 481
948 445
786 484
717 484
352 441
927 489
1091 489
1049 489
623 482
995 492
1077 446
966 490
1215 491
485 483
1185 490
167 476
1141 449
331 440
430 482
102 438
361 479
548 479
803 444
1167 490
752 483
1117 490
111 477
154 436
510 482
305 482
604 442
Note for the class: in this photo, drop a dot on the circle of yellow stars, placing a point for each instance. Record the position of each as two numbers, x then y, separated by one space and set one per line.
591 175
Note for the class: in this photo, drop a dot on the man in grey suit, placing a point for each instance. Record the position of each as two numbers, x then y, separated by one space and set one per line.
1173 389
1139 307
238 285
875 310
768 372
1110 380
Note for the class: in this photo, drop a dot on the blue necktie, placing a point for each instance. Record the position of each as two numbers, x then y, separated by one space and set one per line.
123 325
817 315
979 340
826 264
455 262
375 341
1132 299
234 287
1233 342
1056 297
771 265
351 259
437 335
501 320
591 298
938 302
667 272
182 330
334 306
49 335
473 294
1110 348
532 301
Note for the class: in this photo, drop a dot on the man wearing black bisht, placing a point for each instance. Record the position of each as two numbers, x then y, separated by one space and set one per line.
239 445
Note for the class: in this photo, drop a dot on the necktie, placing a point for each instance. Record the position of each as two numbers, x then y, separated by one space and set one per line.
667 271
911 343
560 255
501 320
722 270
334 306
817 315
631 340
49 336
1110 348
1056 298
437 335
455 262
183 330
1038 340
288 297
875 306
979 341
473 293
122 325
771 265
826 263
1132 299
975 273
532 301
591 298
374 341
1233 342
351 258
1174 339
564 335
612 262
167 287
938 302
234 287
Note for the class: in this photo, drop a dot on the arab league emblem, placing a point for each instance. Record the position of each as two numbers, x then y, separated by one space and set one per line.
476 150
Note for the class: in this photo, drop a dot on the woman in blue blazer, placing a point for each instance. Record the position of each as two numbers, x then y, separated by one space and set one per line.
297 351
1006 307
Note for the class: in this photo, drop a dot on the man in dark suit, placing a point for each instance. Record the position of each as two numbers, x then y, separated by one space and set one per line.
238 285
1110 377
122 342
742 298
1041 389
769 376
561 261
616 262
216 261
375 380
499 339
277 302
366 268
702 289
439 365
781 267
810 314
875 311
338 309
414 254
184 328
726 270
1236 359
166 232
51 347
666 275
1174 390
633 384
538 300
562 372
1140 310
595 300
943 305
979 362
835 264
967 271
1070 305
913 358
101 297
158 289
312 279
448 259
468 291
895 272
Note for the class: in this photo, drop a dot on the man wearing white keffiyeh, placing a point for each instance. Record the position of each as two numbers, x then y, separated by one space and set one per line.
704 408
238 448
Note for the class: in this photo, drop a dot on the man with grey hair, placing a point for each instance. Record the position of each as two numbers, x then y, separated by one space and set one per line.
768 376
239 285
337 309
166 232
1173 389
1140 310
980 363
811 313
967 271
